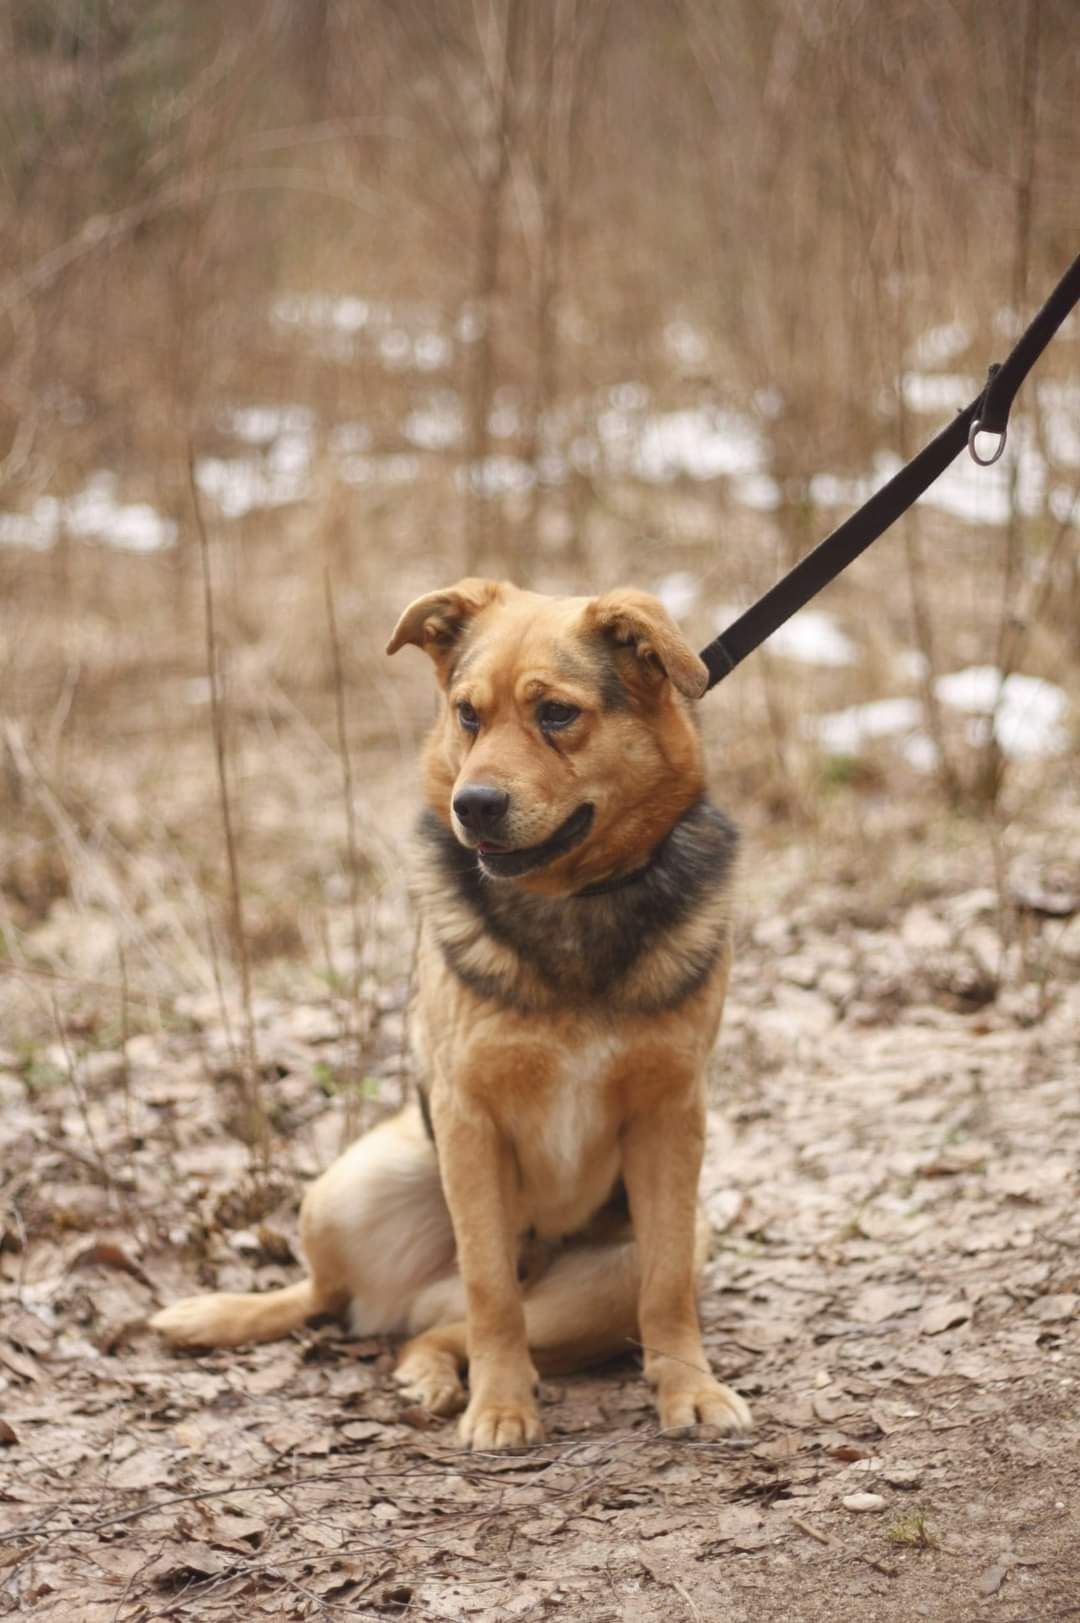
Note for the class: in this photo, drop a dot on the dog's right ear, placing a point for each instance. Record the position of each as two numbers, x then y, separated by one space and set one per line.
436 621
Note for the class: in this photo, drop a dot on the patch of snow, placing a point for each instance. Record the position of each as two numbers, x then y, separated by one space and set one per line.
1027 712
470 324
757 490
628 397
678 593
348 438
1059 404
844 732
505 419
395 347
840 490
96 515
397 468
432 352
919 751
497 476
686 343
258 425
699 442
911 664
813 638
938 391
436 426
941 344
37 529
241 485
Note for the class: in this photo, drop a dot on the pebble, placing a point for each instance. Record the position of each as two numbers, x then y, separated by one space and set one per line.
902 1476
992 1580
863 1501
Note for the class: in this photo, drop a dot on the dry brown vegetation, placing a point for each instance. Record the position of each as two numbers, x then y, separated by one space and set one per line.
305 309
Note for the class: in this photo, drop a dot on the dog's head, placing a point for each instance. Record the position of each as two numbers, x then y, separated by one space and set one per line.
566 749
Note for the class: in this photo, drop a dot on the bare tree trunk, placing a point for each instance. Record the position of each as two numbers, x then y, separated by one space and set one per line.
479 540
992 764
556 95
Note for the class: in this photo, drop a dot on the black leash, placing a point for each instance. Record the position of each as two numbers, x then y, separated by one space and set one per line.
988 414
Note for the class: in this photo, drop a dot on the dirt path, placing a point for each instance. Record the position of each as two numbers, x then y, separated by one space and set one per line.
893 1175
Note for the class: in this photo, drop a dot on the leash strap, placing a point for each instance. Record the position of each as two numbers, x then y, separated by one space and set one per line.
987 414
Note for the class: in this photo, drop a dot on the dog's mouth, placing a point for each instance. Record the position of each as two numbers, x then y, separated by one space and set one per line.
505 862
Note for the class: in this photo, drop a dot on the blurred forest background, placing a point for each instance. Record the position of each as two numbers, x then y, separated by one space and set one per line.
309 307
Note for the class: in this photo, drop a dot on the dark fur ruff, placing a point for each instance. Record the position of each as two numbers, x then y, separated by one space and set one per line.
641 946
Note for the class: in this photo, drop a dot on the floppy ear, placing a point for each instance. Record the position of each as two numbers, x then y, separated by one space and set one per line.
435 622
639 622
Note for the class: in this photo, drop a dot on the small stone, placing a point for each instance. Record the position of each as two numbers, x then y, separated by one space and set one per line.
902 1476
863 1502
991 1580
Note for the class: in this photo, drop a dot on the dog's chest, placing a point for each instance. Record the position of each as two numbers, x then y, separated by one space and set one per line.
570 1159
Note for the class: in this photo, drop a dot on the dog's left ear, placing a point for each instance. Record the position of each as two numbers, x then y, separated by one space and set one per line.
436 620
640 622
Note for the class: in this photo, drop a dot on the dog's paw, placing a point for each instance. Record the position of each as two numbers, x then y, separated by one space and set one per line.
702 1401
431 1379
199 1321
491 1423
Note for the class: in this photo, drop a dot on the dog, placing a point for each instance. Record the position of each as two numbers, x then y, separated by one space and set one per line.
535 1208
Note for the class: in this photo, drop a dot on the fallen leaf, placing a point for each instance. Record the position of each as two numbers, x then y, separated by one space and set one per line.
19 1363
847 1452
176 1567
419 1419
291 1437
829 1408
107 1254
879 1302
1052 1309
279 1372
7 1434
362 1431
146 1469
941 1316
359 1349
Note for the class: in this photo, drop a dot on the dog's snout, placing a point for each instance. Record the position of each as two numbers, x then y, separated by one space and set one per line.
479 806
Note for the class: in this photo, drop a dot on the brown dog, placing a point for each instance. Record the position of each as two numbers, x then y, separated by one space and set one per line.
537 1207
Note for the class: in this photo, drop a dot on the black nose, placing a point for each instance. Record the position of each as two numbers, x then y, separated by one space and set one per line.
478 806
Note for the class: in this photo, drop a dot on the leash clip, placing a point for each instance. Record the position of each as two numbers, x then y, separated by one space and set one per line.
985 461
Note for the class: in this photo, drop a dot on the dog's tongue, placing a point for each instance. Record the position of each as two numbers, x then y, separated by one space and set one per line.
486 849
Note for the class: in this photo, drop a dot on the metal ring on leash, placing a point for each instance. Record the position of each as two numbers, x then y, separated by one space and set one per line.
985 461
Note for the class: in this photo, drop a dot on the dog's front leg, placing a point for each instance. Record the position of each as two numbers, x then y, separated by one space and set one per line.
478 1175
662 1154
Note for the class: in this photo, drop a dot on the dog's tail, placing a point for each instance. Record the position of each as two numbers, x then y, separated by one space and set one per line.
228 1320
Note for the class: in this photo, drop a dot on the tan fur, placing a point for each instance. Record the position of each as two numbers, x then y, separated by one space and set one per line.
507 1250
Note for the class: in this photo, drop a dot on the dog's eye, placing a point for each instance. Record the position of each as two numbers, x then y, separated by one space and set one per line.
468 717
552 715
